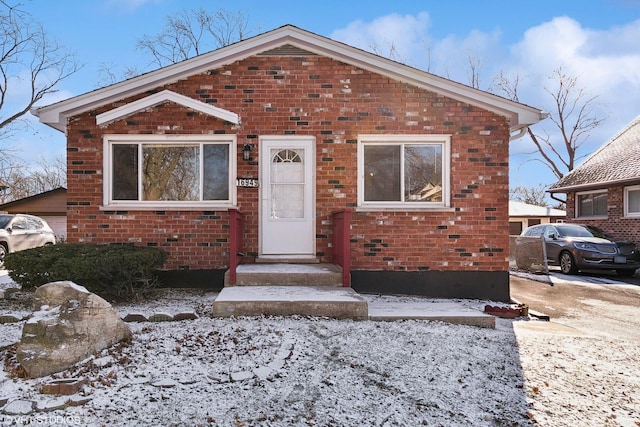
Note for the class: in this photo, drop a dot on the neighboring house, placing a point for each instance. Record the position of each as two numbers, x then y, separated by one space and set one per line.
523 215
50 206
278 133
605 190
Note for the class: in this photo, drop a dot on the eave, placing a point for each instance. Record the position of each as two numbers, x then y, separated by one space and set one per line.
593 185
519 115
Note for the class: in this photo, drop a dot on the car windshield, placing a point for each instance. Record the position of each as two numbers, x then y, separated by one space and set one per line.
598 232
573 231
4 220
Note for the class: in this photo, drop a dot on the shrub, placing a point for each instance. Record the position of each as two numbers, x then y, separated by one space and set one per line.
115 272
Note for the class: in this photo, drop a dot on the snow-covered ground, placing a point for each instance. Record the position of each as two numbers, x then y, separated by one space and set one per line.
313 371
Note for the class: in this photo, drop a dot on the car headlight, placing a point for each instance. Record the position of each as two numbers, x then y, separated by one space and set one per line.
585 246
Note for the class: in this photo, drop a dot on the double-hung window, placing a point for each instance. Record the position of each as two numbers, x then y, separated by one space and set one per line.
164 171
632 201
591 204
403 171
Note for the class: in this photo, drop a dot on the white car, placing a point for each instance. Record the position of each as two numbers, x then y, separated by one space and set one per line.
19 232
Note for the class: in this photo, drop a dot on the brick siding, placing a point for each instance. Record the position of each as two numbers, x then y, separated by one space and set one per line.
334 102
616 224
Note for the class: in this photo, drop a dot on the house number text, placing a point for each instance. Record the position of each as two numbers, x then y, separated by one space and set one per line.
247 182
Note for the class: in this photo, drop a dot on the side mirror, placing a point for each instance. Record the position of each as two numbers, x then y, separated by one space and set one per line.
553 236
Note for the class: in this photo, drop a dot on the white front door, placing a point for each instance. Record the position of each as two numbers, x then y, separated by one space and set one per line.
288 196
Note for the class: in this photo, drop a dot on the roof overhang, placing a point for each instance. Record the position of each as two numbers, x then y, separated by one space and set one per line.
519 115
593 186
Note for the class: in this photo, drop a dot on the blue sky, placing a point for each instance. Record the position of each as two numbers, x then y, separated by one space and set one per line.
595 40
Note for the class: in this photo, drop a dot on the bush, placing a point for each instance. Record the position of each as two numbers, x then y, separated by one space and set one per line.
115 272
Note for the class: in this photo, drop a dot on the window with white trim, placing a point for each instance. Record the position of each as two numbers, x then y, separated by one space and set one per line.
169 170
403 171
591 204
632 201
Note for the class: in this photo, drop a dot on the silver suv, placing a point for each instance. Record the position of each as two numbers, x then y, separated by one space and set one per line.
20 231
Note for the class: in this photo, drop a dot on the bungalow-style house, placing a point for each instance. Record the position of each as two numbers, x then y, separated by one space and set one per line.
523 215
49 205
604 191
292 147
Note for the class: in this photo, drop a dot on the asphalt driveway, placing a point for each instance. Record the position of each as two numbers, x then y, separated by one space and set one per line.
596 304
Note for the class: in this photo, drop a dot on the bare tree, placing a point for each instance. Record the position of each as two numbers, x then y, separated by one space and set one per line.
535 195
22 181
29 59
185 35
192 32
474 71
573 114
387 49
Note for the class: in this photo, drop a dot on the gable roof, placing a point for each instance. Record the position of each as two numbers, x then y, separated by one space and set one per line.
616 162
521 209
285 40
48 201
161 97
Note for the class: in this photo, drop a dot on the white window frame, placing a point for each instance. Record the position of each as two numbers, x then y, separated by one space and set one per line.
110 140
577 204
626 201
443 140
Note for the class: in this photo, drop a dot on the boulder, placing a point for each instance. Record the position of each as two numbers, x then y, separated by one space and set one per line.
68 325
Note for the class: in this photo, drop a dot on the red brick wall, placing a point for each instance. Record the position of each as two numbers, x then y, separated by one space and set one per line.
335 103
615 224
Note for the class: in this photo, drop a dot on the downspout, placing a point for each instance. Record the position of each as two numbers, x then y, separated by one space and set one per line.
552 195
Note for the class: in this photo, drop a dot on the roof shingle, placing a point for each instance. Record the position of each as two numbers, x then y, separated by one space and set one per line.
617 160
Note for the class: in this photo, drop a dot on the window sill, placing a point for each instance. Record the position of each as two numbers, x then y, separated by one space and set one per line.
165 207
404 209
589 218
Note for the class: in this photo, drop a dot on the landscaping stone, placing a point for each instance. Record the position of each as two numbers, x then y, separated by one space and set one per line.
52 404
185 316
160 317
103 362
135 318
68 325
263 372
241 376
65 386
19 407
8 318
77 400
164 383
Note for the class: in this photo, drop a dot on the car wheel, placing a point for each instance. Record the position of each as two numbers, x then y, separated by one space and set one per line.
3 252
626 272
567 264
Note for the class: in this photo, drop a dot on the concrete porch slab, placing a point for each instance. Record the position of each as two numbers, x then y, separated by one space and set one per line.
443 311
338 303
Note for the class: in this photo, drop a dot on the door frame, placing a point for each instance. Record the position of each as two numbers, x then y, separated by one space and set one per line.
310 189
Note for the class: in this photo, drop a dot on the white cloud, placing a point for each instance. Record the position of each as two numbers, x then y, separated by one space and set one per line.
605 62
405 34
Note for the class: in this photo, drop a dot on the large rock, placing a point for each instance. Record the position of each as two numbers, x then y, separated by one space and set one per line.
68 324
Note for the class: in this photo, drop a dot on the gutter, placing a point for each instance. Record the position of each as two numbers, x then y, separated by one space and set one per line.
520 134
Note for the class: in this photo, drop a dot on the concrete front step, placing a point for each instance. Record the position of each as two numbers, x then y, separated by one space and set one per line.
280 274
340 303
316 301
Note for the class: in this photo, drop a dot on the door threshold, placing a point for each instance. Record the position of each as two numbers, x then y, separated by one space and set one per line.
287 260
